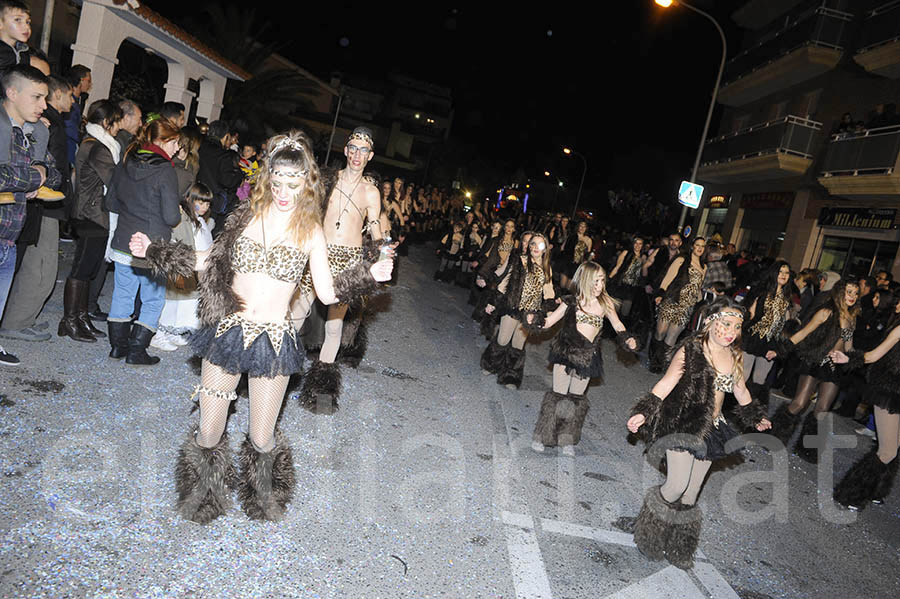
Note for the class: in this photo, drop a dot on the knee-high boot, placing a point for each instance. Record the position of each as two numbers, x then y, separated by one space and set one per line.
71 325
202 478
82 312
137 346
810 427
869 479
513 368
267 479
118 338
493 357
571 426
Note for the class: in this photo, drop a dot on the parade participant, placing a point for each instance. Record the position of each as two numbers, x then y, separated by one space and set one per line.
576 251
769 305
830 328
450 254
489 277
576 359
247 281
682 287
472 242
625 277
683 412
871 478
521 292
486 252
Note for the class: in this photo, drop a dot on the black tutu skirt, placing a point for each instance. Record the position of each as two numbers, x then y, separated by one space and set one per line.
886 400
756 346
258 360
594 370
713 445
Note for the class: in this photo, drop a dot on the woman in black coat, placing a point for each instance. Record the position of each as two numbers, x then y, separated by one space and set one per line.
144 193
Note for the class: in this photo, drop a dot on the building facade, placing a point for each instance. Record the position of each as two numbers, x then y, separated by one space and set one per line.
804 164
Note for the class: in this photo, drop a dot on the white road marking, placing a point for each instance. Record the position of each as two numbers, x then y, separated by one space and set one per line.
526 563
715 585
668 583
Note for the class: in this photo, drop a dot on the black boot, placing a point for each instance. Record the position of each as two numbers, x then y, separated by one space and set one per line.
118 338
267 479
321 388
82 312
869 479
493 356
137 346
783 424
71 325
202 478
513 368
810 427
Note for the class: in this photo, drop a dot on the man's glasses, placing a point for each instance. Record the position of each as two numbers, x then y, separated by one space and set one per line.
361 150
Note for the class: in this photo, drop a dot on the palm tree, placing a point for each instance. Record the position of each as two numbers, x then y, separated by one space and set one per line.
265 102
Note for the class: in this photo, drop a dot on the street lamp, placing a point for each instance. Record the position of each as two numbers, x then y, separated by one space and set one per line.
715 93
569 152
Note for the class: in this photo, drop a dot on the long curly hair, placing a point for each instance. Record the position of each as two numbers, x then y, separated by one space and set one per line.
292 150
720 305
836 302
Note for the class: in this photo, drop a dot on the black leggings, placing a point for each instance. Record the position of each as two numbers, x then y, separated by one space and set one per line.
89 252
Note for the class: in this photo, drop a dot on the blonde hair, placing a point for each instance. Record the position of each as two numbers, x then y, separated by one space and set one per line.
585 275
291 150
720 305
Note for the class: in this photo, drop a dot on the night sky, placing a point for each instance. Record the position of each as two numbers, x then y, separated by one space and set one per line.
628 86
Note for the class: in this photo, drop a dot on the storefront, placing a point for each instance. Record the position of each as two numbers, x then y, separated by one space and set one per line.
857 242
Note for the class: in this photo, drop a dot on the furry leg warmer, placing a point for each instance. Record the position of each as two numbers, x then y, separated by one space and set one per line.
353 347
869 479
545 430
493 357
572 424
202 478
783 424
513 368
321 388
810 427
668 530
657 355
267 479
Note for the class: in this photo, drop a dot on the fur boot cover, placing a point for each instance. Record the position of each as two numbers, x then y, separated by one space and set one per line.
685 535
573 412
867 479
493 357
356 282
513 368
810 427
783 424
354 340
886 482
546 428
321 388
747 417
171 259
267 480
652 528
656 355
202 478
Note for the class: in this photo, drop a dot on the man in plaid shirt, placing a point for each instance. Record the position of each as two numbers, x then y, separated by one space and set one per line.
25 99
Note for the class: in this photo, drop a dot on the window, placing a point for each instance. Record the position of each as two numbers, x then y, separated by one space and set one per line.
856 257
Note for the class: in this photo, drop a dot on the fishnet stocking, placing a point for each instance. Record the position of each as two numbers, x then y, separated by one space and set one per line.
568 383
333 327
511 330
684 477
667 331
214 410
266 396
758 366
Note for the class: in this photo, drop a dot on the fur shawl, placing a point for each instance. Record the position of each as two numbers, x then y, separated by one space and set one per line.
571 347
689 407
819 342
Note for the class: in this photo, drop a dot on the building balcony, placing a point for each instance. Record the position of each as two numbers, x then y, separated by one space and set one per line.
863 164
879 48
809 44
777 149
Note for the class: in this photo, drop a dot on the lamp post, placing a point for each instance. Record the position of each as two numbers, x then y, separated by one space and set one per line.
568 152
715 93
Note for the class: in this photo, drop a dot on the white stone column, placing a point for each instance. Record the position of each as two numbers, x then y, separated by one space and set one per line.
176 86
209 102
100 33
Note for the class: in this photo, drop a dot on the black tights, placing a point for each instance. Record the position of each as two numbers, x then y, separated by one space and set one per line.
805 388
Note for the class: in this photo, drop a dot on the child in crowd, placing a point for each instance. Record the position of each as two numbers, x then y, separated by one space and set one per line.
15 29
179 315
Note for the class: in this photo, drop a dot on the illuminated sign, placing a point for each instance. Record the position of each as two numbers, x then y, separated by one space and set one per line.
718 202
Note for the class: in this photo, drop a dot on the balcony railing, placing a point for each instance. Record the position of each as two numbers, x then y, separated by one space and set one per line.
817 26
789 135
882 26
870 152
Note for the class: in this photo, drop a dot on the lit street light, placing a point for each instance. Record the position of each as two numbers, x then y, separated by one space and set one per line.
712 102
568 152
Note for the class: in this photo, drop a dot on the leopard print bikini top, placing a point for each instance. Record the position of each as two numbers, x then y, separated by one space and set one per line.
282 263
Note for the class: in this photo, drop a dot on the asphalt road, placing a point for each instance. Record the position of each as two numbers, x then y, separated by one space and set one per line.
422 485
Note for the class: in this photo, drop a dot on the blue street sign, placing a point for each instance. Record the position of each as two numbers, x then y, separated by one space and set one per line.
689 194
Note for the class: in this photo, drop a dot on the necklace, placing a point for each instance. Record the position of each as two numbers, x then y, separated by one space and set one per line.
349 197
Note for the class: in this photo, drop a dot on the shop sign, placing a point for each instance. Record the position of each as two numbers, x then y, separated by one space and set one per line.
773 200
858 218
718 202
